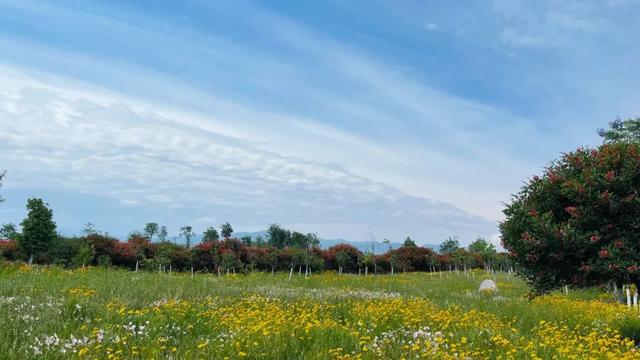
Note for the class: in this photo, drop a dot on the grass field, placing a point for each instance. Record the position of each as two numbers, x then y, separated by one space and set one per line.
49 313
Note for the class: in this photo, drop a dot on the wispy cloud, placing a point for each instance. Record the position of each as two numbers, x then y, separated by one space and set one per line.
95 144
241 112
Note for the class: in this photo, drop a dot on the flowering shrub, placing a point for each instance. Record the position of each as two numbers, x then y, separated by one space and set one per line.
8 249
578 223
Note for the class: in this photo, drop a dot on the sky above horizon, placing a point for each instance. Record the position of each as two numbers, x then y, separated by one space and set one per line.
344 118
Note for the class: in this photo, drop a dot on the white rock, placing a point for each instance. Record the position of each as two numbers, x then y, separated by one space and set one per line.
488 285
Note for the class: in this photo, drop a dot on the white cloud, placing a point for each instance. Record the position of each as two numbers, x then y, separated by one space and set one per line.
80 139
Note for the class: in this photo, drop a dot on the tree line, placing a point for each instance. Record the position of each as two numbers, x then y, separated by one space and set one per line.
220 252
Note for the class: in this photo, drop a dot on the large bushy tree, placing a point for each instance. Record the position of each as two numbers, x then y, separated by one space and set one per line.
579 223
278 237
38 229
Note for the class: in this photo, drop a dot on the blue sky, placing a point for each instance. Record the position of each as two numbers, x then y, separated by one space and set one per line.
337 117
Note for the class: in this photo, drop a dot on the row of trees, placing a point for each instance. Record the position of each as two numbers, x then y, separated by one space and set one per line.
232 255
281 250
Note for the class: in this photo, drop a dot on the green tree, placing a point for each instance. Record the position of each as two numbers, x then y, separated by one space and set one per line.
342 259
298 240
621 131
188 234
449 246
272 259
210 235
89 229
104 261
367 260
278 237
163 234
228 261
486 249
9 231
85 255
38 229
150 230
226 230
246 240
136 234
393 255
408 242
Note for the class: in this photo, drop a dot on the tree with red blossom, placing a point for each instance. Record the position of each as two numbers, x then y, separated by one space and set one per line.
578 224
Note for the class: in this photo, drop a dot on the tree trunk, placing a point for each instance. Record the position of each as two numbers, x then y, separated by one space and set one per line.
617 293
30 259
391 270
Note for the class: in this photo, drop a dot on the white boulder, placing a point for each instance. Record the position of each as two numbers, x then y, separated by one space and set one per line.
488 285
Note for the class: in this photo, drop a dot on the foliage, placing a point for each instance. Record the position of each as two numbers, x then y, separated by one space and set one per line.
9 250
485 249
104 261
299 252
89 229
226 230
450 245
9 232
187 233
150 229
621 131
278 237
246 240
163 233
210 235
578 223
38 228
84 255
408 242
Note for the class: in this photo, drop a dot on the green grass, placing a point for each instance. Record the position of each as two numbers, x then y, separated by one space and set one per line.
316 315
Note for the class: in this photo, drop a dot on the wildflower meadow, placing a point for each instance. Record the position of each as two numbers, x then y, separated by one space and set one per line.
102 313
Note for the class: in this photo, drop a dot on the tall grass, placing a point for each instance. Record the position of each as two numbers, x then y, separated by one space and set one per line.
117 314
